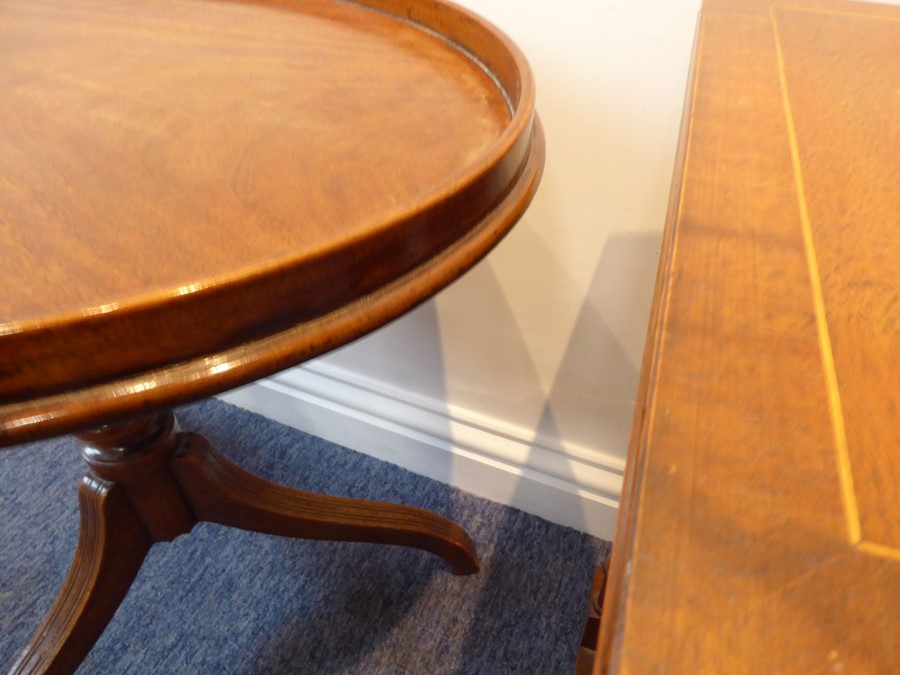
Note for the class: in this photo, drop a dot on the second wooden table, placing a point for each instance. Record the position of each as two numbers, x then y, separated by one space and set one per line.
760 524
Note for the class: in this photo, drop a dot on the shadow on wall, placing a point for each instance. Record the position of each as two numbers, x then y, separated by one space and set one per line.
596 381
594 356
588 402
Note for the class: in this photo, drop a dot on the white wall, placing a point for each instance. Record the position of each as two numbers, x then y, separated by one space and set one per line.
518 382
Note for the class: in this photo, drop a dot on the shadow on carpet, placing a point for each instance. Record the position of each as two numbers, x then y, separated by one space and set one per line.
227 601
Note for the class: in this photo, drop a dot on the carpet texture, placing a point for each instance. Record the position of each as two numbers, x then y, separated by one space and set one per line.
222 600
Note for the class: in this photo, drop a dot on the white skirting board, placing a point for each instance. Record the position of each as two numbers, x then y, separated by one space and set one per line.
573 486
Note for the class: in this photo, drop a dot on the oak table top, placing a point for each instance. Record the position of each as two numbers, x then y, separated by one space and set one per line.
760 522
197 193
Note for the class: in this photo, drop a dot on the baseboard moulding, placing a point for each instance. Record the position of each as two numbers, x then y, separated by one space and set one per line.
573 486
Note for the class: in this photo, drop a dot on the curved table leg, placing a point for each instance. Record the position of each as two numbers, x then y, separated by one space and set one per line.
112 544
150 483
223 493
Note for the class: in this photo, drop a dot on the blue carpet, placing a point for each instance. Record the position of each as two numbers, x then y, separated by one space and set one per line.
226 601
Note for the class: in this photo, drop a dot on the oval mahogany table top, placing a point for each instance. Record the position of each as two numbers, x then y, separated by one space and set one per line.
196 194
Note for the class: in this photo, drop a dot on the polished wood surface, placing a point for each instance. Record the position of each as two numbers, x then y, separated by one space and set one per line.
195 194
214 191
760 521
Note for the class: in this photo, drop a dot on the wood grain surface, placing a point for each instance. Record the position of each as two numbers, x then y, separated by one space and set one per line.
182 181
760 523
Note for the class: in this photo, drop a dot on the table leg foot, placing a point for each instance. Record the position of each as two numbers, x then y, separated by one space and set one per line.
221 492
112 544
